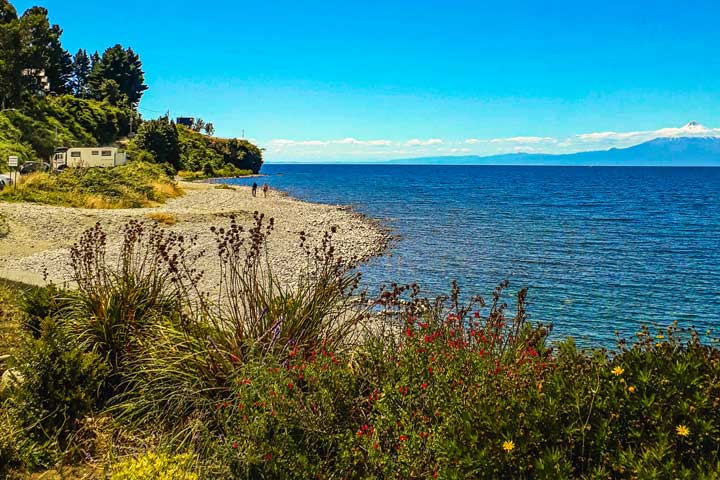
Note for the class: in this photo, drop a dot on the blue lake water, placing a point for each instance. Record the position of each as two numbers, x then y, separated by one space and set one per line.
603 249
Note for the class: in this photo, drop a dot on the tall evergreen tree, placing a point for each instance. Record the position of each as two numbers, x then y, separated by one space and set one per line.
123 66
80 72
42 50
10 61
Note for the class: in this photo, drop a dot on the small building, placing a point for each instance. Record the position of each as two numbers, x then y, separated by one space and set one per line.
189 122
89 157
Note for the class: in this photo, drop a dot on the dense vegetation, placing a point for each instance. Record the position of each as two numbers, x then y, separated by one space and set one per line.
136 184
50 98
138 374
192 153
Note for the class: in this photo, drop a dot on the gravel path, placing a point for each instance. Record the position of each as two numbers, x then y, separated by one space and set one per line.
40 235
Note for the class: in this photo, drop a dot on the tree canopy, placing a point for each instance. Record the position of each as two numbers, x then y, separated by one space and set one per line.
123 68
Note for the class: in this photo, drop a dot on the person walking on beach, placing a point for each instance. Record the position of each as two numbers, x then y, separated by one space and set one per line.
254 189
265 189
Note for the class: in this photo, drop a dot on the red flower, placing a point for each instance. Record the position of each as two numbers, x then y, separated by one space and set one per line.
235 445
430 370
290 386
403 438
268 456
424 385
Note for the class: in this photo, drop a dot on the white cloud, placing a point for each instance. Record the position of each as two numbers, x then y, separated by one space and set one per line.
416 142
531 140
355 148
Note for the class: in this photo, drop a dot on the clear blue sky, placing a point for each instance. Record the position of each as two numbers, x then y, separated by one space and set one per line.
362 80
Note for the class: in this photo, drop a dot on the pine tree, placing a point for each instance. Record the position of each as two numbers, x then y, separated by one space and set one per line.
122 66
80 73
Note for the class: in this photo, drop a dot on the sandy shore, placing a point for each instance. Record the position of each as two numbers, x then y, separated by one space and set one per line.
40 235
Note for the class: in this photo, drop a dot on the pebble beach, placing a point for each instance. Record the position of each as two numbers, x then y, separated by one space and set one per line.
40 236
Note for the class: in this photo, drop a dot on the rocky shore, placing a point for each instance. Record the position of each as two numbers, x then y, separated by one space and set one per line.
40 236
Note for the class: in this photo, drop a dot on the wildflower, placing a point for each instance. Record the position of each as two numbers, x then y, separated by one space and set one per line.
290 386
617 371
631 389
424 385
403 438
682 430
235 445
508 445
430 370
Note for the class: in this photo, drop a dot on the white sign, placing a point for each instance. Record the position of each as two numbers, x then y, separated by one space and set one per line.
13 161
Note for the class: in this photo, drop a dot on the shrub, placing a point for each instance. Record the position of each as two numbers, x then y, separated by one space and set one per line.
60 385
160 138
155 466
39 303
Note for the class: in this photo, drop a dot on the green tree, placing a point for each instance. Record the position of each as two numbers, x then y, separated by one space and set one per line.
42 51
244 155
160 138
123 66
7 12
198 125
81 68
11 80
209 128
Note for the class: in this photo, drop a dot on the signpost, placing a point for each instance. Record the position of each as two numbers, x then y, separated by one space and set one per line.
13 164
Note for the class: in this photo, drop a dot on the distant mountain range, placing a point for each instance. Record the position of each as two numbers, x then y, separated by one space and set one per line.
671 151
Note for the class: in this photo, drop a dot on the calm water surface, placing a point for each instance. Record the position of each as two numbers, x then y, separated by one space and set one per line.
602 249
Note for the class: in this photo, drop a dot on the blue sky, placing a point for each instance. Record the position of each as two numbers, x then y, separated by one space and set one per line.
369 80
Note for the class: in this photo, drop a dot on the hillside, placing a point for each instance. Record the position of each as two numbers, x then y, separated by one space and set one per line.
682 151
34 131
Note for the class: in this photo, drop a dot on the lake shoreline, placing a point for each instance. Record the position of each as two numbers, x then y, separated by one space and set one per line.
40 235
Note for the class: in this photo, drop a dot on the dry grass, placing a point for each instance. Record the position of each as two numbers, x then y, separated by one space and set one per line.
163 218
166 190
129 186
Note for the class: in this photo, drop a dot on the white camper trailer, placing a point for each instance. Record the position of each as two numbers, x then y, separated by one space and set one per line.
89 157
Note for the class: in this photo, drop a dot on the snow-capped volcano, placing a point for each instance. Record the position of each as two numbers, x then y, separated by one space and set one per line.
691 129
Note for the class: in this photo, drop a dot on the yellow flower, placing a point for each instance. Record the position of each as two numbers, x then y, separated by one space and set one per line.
631 389
660 337
682 430
508 445
617 371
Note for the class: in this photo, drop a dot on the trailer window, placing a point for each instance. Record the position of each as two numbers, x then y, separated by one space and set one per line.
75 154
96 152
107 153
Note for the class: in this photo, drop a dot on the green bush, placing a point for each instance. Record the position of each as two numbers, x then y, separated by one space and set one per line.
59 386
37 304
